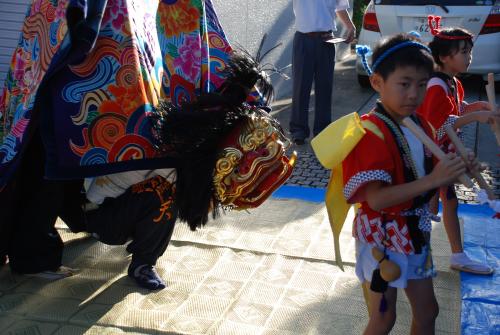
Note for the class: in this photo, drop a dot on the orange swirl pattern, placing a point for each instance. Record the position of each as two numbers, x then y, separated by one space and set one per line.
216 41
127 76
131 147
106 129
80 150
37 25
128 56
105 46
91 101
126 99
105 112
50 11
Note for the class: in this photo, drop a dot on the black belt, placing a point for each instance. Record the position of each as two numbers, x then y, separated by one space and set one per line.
322 34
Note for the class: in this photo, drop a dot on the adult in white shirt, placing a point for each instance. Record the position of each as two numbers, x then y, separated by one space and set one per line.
313 59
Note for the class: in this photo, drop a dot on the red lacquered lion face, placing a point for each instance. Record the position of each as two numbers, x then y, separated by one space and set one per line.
252 163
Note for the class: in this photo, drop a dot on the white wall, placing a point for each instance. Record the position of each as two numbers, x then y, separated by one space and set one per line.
246 21
12 13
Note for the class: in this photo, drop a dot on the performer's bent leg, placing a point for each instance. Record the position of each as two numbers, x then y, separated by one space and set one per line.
7 217
146 213
153 234
35 245
112 223
72 210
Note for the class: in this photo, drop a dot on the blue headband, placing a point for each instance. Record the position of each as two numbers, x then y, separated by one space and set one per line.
364 50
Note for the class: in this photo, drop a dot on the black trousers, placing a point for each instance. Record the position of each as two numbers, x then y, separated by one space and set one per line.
313 60
29 207
145 213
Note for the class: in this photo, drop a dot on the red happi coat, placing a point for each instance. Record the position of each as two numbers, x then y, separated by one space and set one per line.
378 159
440 106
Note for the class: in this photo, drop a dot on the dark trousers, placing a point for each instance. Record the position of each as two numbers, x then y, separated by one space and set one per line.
312 60
145 213
29 207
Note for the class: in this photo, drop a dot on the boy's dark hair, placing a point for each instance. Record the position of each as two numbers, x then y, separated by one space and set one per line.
406 56
442 47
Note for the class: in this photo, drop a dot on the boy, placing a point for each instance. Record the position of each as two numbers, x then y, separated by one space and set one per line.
394 186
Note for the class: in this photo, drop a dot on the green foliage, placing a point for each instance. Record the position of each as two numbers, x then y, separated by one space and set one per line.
357 13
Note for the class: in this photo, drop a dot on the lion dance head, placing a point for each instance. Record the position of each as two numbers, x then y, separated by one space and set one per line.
229 151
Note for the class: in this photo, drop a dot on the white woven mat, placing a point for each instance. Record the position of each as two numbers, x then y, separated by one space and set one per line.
268 272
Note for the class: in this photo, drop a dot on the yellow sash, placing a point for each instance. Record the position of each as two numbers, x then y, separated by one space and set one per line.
331 147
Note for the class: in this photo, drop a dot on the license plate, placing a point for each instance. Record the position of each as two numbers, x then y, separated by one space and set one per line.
421 26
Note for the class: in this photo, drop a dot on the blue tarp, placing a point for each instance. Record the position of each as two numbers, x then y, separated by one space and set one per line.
301 193
480 294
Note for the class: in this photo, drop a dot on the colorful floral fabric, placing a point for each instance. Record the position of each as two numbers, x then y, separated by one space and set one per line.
92 112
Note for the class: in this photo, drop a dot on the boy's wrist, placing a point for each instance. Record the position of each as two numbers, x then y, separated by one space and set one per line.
430 182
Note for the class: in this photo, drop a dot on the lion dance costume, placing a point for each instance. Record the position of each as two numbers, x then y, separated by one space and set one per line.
108 86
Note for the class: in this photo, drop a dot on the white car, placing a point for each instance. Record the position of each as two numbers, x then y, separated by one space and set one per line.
481 17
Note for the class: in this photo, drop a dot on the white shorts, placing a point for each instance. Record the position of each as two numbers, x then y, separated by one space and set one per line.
366 264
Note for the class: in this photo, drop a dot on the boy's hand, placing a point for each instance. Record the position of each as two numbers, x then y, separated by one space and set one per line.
477 106
473 163
487 117
495 116
447 170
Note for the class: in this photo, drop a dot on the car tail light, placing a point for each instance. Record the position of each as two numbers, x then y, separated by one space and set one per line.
370 19
492 23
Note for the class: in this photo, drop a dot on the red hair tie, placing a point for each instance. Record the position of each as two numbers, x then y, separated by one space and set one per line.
435 27
434 24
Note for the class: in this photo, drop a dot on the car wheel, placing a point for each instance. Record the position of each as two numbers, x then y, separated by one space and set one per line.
363 81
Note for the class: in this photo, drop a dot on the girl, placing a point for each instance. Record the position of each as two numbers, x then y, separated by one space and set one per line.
444 105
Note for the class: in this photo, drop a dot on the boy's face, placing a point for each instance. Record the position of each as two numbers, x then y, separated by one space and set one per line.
459 61
402 91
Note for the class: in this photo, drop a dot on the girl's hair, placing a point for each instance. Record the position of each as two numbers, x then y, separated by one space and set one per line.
442 47
387 56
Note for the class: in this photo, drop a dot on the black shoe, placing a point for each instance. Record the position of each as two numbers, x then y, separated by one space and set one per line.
3 260
299 141
145 275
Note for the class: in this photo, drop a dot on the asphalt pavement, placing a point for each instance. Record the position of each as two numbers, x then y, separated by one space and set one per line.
247 22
